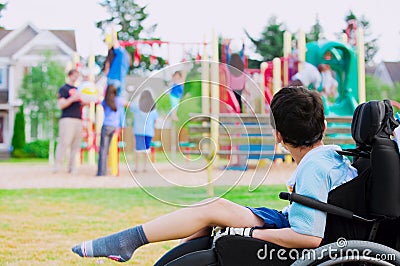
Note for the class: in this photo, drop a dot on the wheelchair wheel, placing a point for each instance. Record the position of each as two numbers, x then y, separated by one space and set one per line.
350 252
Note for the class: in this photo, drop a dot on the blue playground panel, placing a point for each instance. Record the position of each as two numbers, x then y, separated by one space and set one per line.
260 148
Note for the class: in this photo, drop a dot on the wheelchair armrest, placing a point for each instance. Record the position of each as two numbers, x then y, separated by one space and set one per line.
321 206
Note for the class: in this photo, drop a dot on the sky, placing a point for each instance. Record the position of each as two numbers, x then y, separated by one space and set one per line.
192 21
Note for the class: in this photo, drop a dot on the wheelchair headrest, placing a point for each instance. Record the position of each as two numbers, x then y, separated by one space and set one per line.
372 119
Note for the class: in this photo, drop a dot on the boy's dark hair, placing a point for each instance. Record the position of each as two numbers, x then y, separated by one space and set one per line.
111 93
298 115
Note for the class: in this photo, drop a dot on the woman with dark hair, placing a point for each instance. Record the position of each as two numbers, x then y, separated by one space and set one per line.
236 80
113 120
145 115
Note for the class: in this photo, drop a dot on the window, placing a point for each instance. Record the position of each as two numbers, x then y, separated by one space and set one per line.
1 129
3 78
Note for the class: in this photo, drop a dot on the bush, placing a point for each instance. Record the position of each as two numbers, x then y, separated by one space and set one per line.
37 149
18 138
20 153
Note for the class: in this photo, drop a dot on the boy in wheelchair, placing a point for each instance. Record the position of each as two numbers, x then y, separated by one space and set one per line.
299 125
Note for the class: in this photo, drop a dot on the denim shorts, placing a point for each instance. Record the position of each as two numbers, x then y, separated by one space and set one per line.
272 218
142 142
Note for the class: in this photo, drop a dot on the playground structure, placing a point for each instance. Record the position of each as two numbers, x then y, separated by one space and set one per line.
345 60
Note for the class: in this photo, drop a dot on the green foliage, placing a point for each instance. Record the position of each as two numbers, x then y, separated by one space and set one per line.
191 101
39 92
37 149
18 139
377 90
3 6
315 31
163 104
128 16
270 44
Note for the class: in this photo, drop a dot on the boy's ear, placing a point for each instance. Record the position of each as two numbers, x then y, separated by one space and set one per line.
326 126
278 136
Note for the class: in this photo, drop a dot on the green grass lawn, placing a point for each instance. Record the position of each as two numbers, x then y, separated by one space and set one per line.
39 226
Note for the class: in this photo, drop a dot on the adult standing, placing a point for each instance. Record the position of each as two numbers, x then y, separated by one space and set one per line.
70 124
236 78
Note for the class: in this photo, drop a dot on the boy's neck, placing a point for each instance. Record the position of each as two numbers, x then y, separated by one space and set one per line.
299 152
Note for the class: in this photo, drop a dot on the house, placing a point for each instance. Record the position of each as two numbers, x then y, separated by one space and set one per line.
21 49
388 72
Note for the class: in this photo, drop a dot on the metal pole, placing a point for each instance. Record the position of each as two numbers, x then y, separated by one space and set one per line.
361 66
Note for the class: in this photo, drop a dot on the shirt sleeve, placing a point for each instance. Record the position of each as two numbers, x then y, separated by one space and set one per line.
312 181
133 108
62 93
155 114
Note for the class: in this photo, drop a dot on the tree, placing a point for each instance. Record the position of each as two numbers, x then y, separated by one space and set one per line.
128 18
370 42
376 89
19 139
3 6
39 93
270 44
315 32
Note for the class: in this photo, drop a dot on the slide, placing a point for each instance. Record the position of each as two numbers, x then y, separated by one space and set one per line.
229 103
343 61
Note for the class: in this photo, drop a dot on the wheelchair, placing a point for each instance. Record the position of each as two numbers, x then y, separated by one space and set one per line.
363 215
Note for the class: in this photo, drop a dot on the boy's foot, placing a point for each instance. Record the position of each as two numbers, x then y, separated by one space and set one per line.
119 246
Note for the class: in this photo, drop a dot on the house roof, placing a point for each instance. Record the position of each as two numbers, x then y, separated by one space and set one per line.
4 32
67 36
12 41
27 34
394 70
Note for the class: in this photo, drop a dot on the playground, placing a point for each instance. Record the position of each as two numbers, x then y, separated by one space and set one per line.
220 146
43 214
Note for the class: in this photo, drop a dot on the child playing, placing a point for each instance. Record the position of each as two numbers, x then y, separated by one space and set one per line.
299 126
145 116
176 93
113 121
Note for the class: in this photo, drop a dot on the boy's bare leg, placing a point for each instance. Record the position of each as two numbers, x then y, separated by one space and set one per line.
187 222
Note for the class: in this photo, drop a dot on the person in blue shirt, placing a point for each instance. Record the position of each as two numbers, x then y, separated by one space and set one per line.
113 121
116 66
299 125
176 93
144 117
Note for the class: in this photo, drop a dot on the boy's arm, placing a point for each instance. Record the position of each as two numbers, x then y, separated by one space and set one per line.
288 238
115 42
